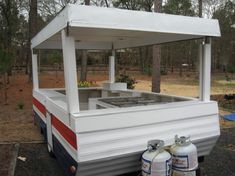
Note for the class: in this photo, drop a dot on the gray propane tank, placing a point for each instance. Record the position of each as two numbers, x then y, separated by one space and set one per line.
184 157
156 161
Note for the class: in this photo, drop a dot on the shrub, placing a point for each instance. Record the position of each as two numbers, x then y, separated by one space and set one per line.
230 69
147 70
163 72
228 78
127 79
20 105
86 84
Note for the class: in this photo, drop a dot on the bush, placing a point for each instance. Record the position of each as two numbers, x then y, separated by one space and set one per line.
163 72
20 105
86 84
230 69
147 70
127 79
228 78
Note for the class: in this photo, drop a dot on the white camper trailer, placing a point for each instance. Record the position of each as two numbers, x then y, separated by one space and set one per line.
103 131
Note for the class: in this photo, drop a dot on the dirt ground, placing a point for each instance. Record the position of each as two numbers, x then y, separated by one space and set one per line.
17 124
221 161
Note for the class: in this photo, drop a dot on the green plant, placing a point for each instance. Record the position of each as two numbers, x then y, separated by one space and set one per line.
228 78
127 79
163 72
230 69
147 70
20 105
86 83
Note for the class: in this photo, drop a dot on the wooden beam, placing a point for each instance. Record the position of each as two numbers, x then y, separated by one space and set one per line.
112 67
35 71
205 70
70 72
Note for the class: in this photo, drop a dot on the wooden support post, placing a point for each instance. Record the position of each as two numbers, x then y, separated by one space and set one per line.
70 72
112 67
35 71
205 70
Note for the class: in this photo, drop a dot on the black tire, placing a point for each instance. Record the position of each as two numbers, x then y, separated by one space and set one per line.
198 172
50 151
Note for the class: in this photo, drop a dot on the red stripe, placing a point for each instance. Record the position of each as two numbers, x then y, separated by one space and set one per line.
66 132
40 106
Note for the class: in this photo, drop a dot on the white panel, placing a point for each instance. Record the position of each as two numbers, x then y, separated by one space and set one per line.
110 18
56 44
110 166
119 24
70 72
136 116
116 142
39 96
57 111
130 162
154 38
51 93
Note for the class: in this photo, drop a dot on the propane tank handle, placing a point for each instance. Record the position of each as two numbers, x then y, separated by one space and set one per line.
182 140
155 145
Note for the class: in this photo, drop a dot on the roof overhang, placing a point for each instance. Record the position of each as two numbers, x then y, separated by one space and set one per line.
107 28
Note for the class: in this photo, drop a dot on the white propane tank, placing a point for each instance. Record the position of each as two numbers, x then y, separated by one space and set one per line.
184 157
156 161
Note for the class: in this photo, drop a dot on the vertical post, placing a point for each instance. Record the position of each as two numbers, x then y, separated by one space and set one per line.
35 71
70 72
112 67
200 72
205 70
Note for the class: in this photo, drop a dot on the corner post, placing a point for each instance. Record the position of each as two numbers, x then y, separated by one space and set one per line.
70 72
35 71
205 70
112 67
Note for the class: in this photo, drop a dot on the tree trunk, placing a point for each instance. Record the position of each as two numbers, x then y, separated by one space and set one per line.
106 2
200 8
156 70
5 89
141 64
84 66
83 74
87 2
32 33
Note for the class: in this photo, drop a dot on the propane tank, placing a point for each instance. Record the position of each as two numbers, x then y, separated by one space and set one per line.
156 161
184 157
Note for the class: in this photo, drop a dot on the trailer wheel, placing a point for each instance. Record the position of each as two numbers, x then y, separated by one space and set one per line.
198 172
50 151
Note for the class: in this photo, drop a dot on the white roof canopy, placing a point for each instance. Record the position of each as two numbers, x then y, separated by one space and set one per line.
107 28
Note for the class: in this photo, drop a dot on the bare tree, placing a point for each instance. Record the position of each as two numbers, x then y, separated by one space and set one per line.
48 9
32 32
200 8
156 69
